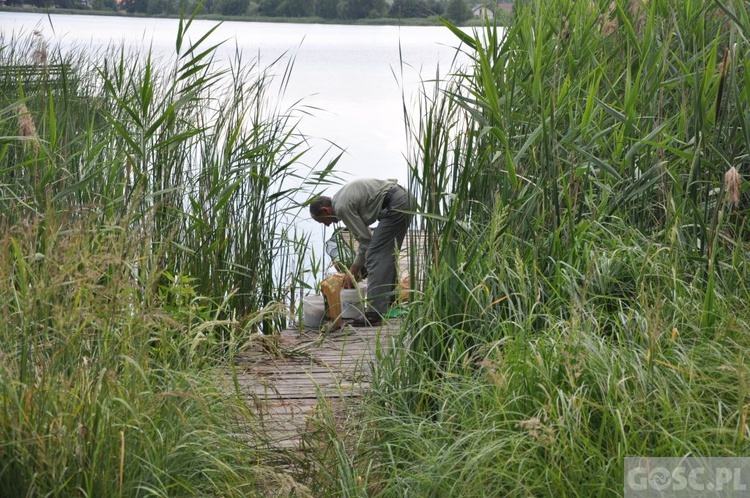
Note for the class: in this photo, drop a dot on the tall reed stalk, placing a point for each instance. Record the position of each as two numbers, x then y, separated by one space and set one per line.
584 276
191 152
104 392
583 113
146 216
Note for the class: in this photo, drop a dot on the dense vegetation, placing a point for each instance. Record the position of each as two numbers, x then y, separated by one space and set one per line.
584 294
147 222
581 297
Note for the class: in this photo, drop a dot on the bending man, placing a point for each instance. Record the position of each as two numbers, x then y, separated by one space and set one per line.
358 205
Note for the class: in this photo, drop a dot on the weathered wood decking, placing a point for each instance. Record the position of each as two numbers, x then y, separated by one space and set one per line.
33 77
283 383
285 377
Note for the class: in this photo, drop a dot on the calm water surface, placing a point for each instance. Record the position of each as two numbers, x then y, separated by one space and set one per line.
349 77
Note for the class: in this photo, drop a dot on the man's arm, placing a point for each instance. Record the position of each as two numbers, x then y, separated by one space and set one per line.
351 277
359 230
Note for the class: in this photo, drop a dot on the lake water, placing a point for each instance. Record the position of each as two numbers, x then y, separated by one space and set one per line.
345 73
350 77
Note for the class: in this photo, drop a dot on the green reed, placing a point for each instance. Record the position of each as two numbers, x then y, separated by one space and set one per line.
581 113
191 152
104 390
147 214
580 295
584 277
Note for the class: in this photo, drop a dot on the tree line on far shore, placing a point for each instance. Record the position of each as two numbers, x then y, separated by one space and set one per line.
345 10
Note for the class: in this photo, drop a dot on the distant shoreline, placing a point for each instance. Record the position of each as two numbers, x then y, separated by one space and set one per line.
420 21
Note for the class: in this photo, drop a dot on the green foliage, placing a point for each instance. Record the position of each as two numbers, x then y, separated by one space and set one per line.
104 5
328 9
231 7
296 8
457 11
583 277
188 155
268 7
99 387
342 244
555 414
580 297
573 122
146 218
414 8
136 6
361 9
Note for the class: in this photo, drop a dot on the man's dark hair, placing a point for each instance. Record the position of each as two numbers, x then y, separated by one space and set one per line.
319 203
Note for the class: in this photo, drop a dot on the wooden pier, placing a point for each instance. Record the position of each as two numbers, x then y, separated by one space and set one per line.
285 377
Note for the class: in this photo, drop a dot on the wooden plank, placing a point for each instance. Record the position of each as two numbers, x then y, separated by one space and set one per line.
285 377
283 384
33 74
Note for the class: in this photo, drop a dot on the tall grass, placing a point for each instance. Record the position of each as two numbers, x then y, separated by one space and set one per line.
191 151
584 279
565 125
581 297
104 391
146 220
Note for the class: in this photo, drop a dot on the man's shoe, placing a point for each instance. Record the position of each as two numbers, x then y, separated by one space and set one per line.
371 319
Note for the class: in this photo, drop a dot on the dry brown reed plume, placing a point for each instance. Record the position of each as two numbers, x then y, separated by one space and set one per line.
638 14
39 55
27 129
611 24
723 69
732 184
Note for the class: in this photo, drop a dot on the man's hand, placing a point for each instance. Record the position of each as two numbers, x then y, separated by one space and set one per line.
351 277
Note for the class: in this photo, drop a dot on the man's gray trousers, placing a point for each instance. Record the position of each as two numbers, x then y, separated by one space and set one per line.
382 253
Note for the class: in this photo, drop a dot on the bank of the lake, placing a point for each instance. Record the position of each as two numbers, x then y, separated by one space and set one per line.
503 18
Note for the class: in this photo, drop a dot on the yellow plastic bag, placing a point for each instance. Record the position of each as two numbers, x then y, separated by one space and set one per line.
331 288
